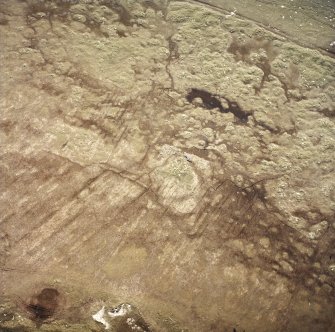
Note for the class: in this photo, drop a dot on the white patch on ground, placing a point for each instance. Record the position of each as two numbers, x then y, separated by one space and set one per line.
99 317
119 311
231 14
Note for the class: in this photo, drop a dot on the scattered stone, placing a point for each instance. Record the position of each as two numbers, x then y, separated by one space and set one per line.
124 317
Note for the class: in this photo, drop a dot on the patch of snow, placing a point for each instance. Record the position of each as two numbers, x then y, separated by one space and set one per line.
99 317
231 14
